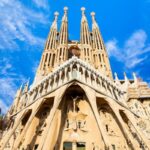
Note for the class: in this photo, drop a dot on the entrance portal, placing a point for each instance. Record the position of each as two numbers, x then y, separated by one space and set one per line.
69 146
80 146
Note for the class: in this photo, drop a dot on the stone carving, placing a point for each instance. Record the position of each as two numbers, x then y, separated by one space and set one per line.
87 67
76 119
142 124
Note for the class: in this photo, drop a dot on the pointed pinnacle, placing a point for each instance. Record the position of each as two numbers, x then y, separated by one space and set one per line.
92 13
83 10
65 10
65 14
134 74
28 81
93 16
116 76
56 15
21 86
125 77
94 23
135 77
124 74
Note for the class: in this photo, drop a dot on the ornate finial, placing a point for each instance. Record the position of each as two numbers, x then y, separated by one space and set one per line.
65 10
56 15
21 86
93 16
125 77
134 75
124 74
116 76
83 10
19 91
28 81
92 13
135 78
116 79
65 14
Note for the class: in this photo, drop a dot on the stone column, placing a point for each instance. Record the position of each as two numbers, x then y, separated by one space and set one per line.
139 133
46 139
49 85
19 138
65 74
83 75
73 146
122 123
92 100
10 133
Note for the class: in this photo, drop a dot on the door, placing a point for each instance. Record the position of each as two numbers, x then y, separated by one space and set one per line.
67 146
80 146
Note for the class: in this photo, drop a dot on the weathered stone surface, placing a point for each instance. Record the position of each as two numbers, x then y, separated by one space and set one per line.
74 103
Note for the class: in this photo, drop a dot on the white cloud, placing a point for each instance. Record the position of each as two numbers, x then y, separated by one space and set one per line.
3 107
17 23
132 51
4 69
8 83
113 49
41 3
149 84
35 66
9 87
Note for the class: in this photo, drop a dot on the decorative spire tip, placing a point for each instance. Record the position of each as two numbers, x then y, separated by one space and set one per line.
56 13
93 14
134 75
65 9
115 74
82 9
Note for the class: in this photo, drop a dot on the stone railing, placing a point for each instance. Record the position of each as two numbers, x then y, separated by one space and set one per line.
76 69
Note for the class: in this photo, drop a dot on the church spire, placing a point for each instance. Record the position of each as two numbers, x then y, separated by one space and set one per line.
116 79
85 34
26 87
51 41
100 56
17 98
85 39
97 38
49 54
62 50
64 28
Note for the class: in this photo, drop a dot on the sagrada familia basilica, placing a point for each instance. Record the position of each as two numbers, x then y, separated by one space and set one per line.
74 102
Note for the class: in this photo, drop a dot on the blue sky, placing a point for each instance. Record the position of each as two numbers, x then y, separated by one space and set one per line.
24 26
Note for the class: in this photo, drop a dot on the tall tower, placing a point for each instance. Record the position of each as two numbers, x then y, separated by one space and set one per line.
62 48
74 103
85 39
99 51
90 49
56 47
49 55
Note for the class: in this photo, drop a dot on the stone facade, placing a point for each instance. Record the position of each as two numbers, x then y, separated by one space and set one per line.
74 103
